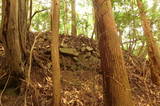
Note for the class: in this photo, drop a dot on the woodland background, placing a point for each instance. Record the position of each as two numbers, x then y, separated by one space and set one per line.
94 40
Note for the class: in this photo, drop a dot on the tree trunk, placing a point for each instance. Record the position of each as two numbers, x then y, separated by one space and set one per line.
11 36
65 17
96 23
117 90
153 50
55 53
74 22
23 25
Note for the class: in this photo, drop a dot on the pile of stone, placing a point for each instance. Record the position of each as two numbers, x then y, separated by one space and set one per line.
76 53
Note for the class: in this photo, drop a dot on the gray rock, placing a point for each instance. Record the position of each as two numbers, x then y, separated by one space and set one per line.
89 48
69 51
83 49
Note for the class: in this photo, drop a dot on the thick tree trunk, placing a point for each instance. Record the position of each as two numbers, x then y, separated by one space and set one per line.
11 36
117 90
74 22
153 50
55 53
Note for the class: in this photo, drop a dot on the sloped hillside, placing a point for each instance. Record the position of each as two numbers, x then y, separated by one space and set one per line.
81 75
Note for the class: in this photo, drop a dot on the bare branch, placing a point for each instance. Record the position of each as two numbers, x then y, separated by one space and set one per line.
36 12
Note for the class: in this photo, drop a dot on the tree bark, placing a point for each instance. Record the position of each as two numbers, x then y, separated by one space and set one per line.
74 22
23 25
96 23
55 53
117 91
153 50
10 36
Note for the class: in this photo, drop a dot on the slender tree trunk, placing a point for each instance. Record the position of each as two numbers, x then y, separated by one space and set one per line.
153 50
65 18
11 36
96 23
23 25
74 21
117 90
55 53
30 12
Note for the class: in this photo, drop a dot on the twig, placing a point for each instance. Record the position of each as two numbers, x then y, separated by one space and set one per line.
3 75
30 58
31 16
4 90
30 67
38 12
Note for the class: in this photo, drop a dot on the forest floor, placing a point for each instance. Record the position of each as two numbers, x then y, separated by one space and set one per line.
80 75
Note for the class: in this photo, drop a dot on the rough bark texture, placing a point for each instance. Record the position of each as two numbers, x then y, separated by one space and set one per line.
117 90
10 36
74 22
153 50
55 53
22 24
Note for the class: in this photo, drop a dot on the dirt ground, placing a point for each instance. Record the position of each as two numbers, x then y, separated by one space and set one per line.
81 86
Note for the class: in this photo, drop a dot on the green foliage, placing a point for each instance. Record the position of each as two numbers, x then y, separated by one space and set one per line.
41 21
129 24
